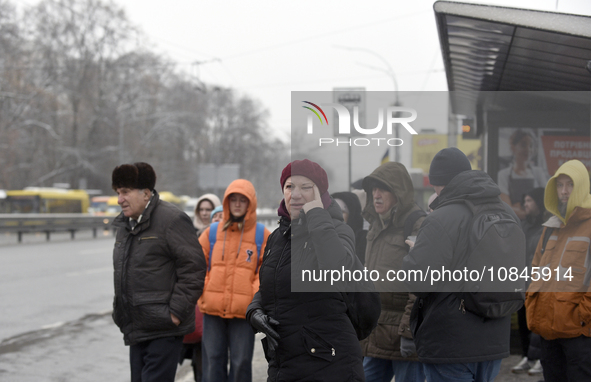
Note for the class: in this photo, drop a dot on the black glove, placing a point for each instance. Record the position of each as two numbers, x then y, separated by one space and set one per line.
260 321
407 347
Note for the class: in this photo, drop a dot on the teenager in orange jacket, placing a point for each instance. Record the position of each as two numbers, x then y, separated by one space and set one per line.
232 280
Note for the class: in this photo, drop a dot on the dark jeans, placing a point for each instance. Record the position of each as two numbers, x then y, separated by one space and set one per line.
567 359
219 336
155 360
382 370
484 371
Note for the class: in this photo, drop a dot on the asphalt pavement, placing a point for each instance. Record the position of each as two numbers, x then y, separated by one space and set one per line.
91 349
56 322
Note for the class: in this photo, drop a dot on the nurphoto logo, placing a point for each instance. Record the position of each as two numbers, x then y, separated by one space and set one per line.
393 115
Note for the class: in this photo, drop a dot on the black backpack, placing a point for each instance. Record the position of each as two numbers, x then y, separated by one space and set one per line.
495 240
363 310
363 305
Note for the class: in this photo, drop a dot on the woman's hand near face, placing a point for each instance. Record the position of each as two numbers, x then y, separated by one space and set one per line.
317 202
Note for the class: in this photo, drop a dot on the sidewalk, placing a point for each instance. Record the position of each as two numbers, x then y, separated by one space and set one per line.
505 374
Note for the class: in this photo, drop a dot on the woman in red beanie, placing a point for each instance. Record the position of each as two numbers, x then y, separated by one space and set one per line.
308 335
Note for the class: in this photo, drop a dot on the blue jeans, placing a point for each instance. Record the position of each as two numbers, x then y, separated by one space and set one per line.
382 370
484 371
219 335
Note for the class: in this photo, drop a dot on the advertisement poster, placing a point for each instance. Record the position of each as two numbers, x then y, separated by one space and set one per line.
529 157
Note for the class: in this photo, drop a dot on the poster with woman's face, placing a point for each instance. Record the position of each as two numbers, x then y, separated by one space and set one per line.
529 157
519 144
522 165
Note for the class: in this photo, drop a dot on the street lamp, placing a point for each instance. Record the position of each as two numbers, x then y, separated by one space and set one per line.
390 72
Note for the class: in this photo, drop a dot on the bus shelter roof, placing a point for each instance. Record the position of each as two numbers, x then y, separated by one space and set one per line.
493 48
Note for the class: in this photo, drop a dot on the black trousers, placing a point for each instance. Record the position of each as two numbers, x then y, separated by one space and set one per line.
155 360
567 359
524 332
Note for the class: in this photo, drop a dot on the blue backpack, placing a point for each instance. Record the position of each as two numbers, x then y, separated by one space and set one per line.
259 237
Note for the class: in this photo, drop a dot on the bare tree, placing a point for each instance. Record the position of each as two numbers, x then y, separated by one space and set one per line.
78 96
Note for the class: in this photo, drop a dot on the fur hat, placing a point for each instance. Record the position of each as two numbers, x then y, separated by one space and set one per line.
139 175
446 164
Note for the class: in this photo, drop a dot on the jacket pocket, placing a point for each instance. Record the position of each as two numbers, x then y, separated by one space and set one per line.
567 319
151 311
316 346
575 255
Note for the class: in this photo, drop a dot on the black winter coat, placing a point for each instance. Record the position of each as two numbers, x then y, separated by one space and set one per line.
318 342
159 269
442 332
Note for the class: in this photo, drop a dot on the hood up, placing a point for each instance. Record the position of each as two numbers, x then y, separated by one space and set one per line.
579 197
243 187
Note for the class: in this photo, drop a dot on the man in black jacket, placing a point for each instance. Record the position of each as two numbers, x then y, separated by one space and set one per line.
453 344
159 272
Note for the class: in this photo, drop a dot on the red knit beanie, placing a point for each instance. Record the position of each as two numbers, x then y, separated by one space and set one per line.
312 171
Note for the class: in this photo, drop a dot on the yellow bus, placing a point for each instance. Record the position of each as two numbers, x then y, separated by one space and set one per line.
107 205
172 198
41 200
104 206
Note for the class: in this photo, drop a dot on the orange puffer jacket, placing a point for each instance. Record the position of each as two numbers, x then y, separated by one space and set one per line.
233 279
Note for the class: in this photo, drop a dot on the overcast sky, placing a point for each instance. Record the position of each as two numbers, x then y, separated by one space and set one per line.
267 49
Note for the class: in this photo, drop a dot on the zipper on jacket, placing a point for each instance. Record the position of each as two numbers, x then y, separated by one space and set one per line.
124 275
146 238
275 289
333 352
462 306
275 278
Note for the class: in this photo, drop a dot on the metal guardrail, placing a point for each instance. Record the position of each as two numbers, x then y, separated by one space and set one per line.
49 223
269 220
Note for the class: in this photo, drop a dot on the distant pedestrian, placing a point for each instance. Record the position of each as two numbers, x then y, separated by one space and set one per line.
159 271
351 208
533 205
217 215
192 347
558 307
205 205
233 248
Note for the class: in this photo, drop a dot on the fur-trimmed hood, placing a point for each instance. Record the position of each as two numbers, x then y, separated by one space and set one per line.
197 222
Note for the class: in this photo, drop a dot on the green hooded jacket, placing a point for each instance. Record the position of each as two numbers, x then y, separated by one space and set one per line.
385 250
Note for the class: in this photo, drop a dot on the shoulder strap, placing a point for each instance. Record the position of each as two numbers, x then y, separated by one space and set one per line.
410 221
547 233
259 238
463 259
213 233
